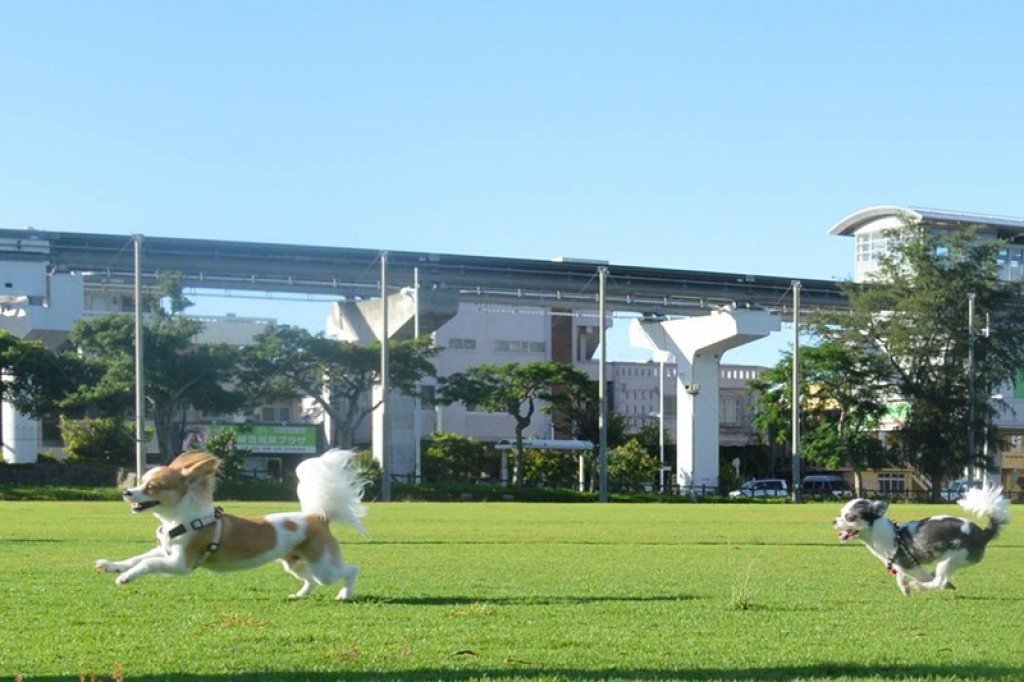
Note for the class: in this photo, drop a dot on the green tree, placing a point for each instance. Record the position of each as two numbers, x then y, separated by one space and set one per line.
844 397
550 468
914 315
518 390
108 440
36 379
584 413
631 467
179 374
453 457
286 361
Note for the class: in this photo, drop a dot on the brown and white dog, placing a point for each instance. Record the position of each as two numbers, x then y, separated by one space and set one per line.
194 533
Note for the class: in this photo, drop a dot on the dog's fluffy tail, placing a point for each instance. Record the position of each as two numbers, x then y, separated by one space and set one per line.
331 486
988 503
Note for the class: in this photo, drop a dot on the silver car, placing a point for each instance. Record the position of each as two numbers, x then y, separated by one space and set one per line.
762 487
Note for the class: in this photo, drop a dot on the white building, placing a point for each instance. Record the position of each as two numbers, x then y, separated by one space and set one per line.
871 228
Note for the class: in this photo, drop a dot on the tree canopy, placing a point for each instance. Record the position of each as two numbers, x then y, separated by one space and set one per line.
36 379
286 361
179 374
518 390
845 397
912 319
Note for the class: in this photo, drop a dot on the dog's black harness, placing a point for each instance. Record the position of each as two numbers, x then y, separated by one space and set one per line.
198 524
903 554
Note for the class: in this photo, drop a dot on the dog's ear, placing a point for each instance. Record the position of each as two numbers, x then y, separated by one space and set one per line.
196 465
879 508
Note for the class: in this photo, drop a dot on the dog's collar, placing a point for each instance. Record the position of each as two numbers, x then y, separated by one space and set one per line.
196 524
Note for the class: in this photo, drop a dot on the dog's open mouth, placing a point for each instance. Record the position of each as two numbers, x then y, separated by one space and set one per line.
143 506
846 535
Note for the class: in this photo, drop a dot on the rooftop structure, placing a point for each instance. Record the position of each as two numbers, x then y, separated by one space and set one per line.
869 227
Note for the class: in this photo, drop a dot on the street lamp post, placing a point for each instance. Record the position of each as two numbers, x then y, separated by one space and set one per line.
972 458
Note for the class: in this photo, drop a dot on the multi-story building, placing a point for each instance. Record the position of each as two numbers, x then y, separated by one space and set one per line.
871 228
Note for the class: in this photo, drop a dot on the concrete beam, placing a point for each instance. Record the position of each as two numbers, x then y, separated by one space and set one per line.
696 345
362 321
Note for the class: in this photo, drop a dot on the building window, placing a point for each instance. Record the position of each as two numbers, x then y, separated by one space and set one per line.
505 346
274 414
462 344
892 482
428 396
730 410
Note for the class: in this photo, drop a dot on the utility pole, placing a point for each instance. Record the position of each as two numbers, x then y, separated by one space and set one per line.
796 392
140 374
972 458
385 385
661 425
417 436
602 398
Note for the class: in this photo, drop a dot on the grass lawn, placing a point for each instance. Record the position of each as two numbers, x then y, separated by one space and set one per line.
496 591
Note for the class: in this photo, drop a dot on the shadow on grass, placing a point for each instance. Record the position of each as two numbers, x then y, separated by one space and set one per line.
532 600
828 541
809 673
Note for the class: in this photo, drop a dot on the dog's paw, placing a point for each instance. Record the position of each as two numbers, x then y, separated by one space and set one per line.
106 566
124 578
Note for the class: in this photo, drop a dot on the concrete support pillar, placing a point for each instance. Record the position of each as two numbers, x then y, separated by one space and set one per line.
20 436
401 413
697 344
361 322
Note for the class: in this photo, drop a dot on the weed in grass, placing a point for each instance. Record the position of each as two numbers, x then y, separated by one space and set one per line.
348 652
234 620
477 609
743 592
117 675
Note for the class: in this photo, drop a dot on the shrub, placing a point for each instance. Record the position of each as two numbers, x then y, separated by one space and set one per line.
451 457
631 467
105 440
551 468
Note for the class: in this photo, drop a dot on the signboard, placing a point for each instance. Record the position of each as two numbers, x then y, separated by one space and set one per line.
896 414
272 439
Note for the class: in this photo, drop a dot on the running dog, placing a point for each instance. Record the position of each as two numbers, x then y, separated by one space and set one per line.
948 542
193 532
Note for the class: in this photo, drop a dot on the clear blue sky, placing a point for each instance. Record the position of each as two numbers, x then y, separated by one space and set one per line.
725 136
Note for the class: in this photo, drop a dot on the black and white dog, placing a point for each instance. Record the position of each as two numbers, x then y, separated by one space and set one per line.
949 542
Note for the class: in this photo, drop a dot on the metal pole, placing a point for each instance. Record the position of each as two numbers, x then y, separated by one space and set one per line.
602 398
796 392
140 376
972 459
416 428
385 371
661 425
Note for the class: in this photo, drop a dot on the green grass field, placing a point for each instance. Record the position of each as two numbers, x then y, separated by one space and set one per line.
480 591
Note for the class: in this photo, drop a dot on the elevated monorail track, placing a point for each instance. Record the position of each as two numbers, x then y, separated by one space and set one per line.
352 274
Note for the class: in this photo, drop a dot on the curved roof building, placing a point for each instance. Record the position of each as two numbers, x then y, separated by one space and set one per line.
870 226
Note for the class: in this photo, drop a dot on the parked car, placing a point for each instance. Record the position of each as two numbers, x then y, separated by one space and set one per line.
763 487
825 485
957 489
